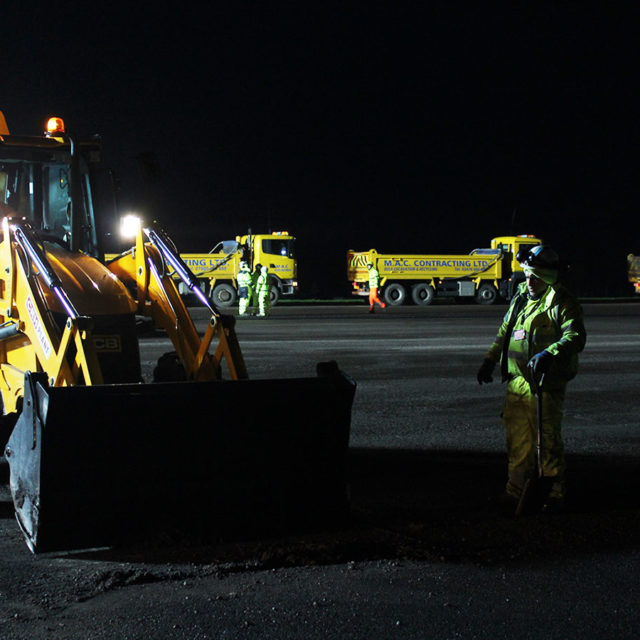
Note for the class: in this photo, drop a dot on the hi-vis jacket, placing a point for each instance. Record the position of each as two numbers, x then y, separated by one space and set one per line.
374 278
553 323
263 285
244 278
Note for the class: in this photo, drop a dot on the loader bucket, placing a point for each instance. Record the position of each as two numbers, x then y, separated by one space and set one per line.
93 466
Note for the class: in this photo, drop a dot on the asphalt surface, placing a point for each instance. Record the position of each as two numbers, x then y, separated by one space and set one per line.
426 553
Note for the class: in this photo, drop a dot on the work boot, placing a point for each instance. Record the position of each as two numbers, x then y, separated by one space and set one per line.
504 503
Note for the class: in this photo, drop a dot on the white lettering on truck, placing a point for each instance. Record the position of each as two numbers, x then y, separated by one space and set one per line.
421 264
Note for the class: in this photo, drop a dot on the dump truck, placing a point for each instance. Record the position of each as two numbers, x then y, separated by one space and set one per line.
96 454
217 271
483 274
633 264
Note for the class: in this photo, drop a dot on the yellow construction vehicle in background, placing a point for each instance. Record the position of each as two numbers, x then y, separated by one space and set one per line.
217 271
483 274
96 453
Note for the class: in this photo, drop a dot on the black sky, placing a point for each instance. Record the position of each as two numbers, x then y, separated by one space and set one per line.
425 127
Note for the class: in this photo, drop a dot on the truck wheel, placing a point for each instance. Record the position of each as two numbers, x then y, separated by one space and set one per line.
223 295
394 294
274 295
422 294
486 294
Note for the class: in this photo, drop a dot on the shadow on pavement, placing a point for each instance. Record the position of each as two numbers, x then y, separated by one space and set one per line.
442 505
426 505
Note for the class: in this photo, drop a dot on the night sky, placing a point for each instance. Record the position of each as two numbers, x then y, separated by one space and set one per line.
425 127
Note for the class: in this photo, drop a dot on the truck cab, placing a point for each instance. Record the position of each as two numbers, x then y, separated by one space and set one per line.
218 270
276 251
512 273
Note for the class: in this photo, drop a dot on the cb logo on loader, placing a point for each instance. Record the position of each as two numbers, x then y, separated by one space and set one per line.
107 344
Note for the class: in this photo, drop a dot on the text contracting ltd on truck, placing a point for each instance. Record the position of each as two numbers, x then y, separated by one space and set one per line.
483 274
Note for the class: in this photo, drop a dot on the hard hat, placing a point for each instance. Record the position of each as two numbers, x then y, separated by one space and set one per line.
244 265
540 255
263 270
369 265
541 261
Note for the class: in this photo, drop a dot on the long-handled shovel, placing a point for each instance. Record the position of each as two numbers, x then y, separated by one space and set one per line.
537 488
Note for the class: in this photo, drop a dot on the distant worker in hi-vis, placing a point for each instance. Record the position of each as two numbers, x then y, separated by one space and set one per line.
245 290
263 291
255 274
374 283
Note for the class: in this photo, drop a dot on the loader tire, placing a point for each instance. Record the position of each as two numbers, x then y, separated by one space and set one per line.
422 294
394 294
224 295
169 369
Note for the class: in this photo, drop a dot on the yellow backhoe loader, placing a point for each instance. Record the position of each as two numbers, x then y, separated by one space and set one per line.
94 452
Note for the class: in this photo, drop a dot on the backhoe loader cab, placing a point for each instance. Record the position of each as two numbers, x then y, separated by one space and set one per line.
48 182
95 453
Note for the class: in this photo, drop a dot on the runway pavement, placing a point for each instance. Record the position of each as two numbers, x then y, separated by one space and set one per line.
426 555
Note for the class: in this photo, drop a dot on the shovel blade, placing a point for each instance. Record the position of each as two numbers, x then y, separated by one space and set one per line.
535 494
94 466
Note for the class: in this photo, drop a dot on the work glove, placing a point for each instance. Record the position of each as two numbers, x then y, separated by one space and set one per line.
540 364
485 371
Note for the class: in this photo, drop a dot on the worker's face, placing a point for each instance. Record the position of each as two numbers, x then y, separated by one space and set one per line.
535 286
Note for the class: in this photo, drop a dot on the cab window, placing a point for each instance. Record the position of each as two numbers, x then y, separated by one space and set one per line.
278 247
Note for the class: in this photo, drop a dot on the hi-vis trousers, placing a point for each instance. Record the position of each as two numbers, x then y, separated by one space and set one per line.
519 415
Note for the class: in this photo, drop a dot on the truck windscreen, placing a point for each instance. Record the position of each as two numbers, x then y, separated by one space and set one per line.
278 247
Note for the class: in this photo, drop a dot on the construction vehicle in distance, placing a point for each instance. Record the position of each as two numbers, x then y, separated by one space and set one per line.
217 271
96 455
633 263
483 274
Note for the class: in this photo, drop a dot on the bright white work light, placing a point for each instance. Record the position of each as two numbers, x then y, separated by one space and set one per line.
130 225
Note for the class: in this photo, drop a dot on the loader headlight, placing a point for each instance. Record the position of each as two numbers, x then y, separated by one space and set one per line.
129 226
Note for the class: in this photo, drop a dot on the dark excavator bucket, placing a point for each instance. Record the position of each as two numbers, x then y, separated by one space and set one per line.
91 466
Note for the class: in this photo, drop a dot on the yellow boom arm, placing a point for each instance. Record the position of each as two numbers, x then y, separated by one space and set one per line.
148 266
